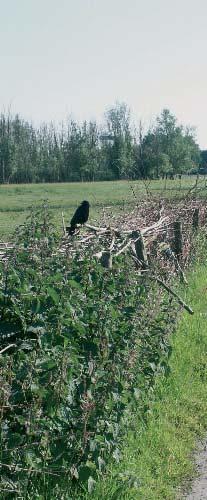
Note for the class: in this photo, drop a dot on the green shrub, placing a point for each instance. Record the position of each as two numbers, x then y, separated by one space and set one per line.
88 343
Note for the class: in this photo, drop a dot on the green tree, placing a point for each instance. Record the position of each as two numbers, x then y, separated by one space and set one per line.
6 148
74 152
168 148
120 153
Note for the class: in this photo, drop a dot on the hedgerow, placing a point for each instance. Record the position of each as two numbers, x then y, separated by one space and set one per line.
87 343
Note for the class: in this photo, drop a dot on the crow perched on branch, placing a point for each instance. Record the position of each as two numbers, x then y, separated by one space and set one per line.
80 216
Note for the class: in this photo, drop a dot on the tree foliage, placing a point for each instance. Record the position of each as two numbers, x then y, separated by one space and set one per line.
168 148
77 152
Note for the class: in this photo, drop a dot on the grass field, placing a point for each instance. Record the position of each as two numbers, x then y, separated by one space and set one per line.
16 200
158 457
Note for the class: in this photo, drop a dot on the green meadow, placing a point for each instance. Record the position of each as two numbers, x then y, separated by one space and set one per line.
16 200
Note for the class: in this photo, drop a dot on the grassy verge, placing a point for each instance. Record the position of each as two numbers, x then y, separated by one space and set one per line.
157 456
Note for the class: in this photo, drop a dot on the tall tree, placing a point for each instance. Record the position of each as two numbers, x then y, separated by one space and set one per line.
120 152
74 152
169 148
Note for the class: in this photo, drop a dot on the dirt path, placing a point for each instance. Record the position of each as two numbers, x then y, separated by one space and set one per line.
198 490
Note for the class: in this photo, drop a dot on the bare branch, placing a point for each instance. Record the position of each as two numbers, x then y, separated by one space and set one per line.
7 347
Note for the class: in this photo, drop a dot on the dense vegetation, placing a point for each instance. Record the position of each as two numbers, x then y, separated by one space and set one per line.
87 345
88 151
158 454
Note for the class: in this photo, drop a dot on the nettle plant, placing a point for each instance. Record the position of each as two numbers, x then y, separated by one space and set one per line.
87 344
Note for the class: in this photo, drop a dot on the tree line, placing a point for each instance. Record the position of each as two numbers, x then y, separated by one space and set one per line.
92 152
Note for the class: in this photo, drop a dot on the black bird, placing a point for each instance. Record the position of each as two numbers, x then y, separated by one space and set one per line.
80 216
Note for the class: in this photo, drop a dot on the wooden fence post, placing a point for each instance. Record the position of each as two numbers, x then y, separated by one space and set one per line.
140 248
195 221
106 260
171 256
178 239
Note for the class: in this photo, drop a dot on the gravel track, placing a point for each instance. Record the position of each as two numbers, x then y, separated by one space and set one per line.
198 489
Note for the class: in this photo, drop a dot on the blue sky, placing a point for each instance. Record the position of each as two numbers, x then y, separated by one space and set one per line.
79 56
